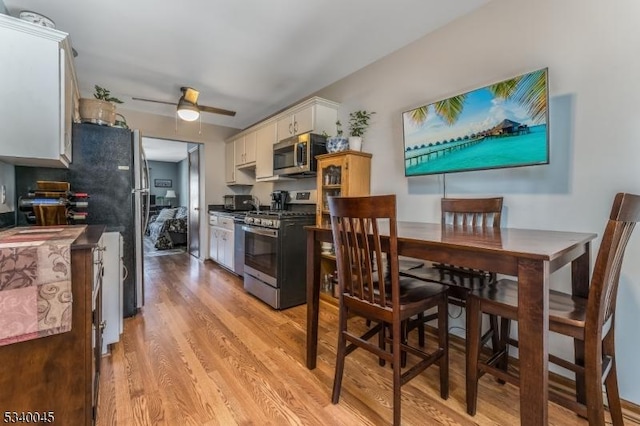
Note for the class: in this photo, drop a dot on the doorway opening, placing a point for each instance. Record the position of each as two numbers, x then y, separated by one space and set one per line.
174 166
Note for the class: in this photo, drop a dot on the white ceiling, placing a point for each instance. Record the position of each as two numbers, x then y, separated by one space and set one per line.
164 150
252 56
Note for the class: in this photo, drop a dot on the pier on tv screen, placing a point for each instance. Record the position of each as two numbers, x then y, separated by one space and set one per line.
501 125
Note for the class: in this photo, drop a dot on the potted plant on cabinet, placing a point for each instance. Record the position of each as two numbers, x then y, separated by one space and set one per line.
358 123
100 109
337 143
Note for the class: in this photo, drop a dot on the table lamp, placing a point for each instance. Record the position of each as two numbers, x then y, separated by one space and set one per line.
170 194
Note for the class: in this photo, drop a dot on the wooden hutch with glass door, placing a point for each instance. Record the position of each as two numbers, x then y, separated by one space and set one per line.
348 174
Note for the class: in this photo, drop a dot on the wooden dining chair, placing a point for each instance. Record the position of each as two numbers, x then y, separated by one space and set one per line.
476 213
369 291
590 320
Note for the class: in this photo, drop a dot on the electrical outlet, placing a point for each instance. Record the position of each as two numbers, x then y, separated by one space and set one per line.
3 194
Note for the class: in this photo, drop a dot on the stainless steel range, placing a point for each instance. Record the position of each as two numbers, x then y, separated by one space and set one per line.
275 255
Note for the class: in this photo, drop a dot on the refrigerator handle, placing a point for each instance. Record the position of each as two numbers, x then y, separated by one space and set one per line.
146 189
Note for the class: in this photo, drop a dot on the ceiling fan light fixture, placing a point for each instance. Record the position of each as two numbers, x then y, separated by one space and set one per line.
188 111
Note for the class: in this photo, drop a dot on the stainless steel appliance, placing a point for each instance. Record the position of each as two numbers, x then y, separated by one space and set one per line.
109 164
278 199
275 251
237 202
296 156
238 247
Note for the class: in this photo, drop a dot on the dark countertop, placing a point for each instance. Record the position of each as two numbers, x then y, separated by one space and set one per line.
89 238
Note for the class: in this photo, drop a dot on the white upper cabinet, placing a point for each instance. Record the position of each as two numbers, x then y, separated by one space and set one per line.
252 149
238 145
234 175
265 138
229 163
314 115
246 150
296 123
39 92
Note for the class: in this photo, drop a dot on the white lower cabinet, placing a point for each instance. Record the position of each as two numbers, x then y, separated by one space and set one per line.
213 243
221 233
112 294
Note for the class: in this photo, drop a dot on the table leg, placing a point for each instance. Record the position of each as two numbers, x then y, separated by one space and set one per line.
580 287
313 297
533 337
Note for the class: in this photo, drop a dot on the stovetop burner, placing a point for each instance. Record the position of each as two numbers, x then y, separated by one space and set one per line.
273 218
280 213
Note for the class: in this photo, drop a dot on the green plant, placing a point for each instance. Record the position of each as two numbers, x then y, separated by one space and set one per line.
338 128
359 121
105 95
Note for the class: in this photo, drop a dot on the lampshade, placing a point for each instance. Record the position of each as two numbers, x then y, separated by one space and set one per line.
187 111
170 194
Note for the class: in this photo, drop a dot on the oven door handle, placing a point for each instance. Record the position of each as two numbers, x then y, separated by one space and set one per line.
261 231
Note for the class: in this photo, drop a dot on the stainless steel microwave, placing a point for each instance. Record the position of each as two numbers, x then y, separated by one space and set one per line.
296 156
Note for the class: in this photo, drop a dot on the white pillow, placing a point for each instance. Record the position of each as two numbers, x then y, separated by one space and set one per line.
166 214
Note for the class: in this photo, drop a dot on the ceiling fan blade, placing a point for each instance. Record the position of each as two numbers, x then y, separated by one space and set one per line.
155 101
217 110
187 93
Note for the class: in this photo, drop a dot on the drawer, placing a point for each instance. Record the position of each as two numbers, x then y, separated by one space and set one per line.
226 222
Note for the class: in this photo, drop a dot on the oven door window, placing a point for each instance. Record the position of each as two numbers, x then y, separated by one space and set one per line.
260 253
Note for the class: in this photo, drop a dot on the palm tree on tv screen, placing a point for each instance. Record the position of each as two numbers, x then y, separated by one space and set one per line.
528 90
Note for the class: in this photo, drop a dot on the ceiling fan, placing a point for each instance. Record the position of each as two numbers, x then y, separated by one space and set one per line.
188 108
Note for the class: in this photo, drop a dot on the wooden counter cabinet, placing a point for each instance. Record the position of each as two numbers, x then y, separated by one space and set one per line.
58 375
348 174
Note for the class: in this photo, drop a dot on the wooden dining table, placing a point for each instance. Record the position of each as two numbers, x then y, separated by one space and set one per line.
530 255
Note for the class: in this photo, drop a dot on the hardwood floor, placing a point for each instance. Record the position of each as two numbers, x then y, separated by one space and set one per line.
204 352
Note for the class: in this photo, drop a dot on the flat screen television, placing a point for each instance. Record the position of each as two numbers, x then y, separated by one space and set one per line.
501 125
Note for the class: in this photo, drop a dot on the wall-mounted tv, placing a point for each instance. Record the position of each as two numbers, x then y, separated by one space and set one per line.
501 125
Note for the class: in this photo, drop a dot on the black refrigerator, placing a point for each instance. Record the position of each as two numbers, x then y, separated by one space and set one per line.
109 164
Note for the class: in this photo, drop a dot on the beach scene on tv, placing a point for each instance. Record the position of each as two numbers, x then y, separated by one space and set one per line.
500 125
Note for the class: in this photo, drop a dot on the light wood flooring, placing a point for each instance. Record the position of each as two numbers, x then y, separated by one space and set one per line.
204 352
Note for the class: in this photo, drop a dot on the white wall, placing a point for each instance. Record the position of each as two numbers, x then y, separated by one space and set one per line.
8 179
590 48
183 182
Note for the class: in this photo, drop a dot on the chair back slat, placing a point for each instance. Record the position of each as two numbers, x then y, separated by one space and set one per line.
603 290
359 249
472 212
